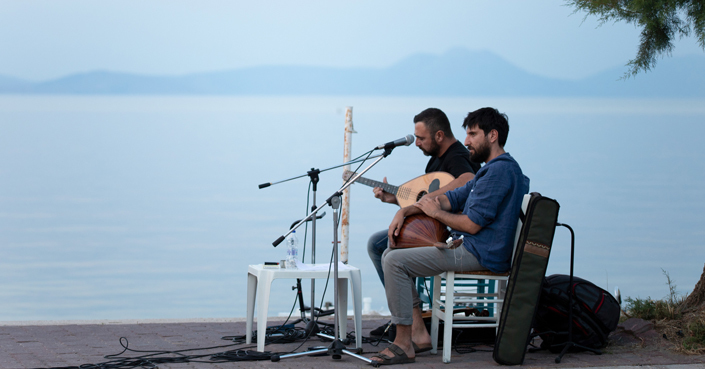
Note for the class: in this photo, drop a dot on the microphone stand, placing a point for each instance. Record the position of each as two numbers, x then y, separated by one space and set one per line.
311 326
267 184
337 348
314 178
313 174
312 323
281 238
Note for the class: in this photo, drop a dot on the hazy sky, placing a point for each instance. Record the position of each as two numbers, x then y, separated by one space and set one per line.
48 39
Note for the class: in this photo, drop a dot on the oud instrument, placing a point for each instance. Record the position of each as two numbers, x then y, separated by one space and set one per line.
411 191
421 230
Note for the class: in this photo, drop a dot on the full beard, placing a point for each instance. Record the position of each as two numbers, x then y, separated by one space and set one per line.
433 150
480 154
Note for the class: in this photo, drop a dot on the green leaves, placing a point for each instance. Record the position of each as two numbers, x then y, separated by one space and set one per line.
661 21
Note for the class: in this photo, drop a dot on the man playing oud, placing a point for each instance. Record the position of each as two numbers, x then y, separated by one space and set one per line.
484 211
435 139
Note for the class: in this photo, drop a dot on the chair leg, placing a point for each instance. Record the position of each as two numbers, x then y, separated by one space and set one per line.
435 310
448 319
251 298
263 288
501 292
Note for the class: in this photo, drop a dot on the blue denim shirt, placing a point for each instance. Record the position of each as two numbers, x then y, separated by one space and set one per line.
492 200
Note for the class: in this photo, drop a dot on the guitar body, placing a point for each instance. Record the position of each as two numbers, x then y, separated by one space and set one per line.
421 230
412 191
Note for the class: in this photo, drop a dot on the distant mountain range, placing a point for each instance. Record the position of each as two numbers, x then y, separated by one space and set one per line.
458 72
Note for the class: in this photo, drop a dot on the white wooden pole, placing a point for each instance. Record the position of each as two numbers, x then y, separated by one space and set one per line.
345 215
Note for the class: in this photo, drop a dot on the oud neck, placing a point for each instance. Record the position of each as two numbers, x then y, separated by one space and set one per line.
385 186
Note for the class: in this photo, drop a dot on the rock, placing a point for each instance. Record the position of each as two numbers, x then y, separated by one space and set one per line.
636 326
634 331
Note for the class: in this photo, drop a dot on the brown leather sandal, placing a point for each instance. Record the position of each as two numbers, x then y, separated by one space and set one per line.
400 357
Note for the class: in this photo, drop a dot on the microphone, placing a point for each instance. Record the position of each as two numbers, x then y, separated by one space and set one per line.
406 141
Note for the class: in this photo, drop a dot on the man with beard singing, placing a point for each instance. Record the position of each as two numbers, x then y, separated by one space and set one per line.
484 211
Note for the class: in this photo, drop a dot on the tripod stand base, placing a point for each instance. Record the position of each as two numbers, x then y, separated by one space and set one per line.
570 345
336 349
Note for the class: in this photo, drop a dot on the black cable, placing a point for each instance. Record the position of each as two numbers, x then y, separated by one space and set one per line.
325 287
286 335
241 355
375 342
152 358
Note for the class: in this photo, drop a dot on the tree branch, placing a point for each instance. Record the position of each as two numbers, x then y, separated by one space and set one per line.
660 22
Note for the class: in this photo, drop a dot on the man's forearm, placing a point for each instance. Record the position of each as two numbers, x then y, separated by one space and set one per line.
459 222
439 208
410 210
458 182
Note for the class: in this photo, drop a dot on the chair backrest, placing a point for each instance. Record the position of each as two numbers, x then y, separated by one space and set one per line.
517 234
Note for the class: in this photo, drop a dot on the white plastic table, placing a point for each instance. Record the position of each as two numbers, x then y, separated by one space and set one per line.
259 281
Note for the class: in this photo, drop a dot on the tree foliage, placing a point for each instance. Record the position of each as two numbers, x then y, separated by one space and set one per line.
661 21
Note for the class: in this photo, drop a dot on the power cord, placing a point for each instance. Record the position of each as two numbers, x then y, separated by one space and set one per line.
152 358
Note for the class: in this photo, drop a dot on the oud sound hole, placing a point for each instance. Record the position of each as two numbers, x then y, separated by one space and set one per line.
435 185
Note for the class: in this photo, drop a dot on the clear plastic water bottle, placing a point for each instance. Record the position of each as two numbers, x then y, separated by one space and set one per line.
292 251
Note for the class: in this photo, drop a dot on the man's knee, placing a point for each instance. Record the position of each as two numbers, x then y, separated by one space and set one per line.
371 246
393 260
377 244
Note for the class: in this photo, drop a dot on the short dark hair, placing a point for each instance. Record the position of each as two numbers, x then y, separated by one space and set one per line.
488 119
435 120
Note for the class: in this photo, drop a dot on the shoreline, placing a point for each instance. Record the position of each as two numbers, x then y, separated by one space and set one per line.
12 323
19 323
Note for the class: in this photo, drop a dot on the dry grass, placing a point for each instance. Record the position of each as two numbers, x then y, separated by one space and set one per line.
686 331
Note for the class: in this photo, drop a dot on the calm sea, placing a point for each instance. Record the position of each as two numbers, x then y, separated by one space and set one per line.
148 207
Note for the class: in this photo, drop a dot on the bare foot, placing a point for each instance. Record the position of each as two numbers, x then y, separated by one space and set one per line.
421 347
422 340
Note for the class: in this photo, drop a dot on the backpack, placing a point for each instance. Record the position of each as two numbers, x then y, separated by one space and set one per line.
595 313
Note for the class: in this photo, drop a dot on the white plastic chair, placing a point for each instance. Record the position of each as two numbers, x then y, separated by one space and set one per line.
455 294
